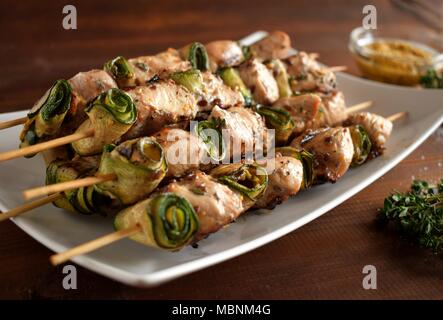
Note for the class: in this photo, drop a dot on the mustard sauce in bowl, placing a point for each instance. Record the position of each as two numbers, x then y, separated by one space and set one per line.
391 60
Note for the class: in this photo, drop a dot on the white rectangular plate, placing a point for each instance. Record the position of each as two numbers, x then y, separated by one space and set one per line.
134 264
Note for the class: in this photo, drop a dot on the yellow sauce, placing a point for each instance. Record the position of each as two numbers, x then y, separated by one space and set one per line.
394 61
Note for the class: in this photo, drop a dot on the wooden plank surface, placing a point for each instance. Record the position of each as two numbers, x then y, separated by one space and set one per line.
323 259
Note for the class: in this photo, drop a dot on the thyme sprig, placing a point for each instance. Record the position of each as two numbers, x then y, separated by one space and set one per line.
432 80
418 213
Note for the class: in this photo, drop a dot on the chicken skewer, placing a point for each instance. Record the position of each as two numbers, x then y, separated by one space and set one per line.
158 104
212 56
349 146
190 209
137 112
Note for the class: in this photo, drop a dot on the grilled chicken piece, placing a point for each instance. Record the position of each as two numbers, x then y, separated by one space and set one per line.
88 85
161 65
304 111
215 93
160 104
59 153
332 149
284 182
85 87
308 75
224 53
215 204
184 151
333 108
274 46
378 128
244 126
260 81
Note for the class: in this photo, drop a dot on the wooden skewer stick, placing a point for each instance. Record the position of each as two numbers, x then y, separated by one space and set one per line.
397 116
29 206
59 258
12 123
65 186
8 155
359 107
338 68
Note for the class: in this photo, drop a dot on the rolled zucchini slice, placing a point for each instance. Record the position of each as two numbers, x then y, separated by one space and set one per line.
56 174
307 160
168 221
190 79
84 200
111 114
121 70
210 132
87 201
278 119
250 180
232 79
362 145
47 115
196 54
281 76
139 165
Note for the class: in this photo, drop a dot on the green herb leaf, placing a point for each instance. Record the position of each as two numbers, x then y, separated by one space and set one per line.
418 213
432 80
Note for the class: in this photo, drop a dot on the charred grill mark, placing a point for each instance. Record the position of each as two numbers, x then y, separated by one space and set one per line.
202 103
125 152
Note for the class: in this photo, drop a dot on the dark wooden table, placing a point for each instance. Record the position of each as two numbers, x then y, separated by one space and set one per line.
323 259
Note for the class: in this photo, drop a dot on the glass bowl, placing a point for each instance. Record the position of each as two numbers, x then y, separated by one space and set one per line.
392 59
